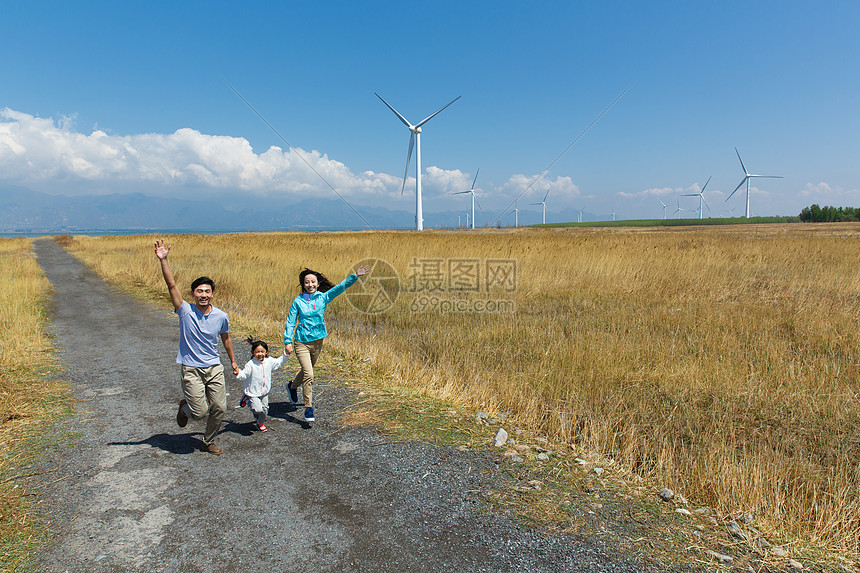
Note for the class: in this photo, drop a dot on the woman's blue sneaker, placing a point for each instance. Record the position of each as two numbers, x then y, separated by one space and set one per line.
309 414
294 394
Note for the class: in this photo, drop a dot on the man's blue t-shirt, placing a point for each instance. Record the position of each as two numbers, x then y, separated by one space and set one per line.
198 335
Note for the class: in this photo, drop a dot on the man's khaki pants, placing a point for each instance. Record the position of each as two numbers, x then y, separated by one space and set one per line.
205 393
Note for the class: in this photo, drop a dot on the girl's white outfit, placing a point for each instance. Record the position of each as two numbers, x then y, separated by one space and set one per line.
258 383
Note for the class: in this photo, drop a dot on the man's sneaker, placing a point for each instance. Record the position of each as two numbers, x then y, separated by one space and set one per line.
309 414
181 418
213 449
244 401
294 393
262 427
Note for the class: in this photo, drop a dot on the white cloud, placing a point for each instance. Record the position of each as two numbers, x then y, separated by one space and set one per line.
561 189
444 181
824 194
816 190
36 151
662 192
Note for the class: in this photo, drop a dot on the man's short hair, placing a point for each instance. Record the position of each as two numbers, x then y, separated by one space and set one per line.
202 281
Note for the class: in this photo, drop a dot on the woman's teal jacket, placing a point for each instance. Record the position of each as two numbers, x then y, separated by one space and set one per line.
306 320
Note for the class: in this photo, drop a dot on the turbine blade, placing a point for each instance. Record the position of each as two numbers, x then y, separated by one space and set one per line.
545 196
476 178
459 192
397 113
742 162
769 176
690 195
429 117
408 157
478 204
741 184
706 183
706 203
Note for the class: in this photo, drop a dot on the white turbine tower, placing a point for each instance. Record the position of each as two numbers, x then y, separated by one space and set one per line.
472 193
701 196
664 208
613 213
746 179
415 141
544 205
516 216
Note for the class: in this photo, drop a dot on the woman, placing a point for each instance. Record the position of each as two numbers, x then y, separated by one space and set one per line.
306 324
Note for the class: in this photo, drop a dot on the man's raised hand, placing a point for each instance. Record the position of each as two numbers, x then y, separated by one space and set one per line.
160 250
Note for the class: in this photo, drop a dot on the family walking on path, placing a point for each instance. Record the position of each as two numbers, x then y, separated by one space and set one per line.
201 372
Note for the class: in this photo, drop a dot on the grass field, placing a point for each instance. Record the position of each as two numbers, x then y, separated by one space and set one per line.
717 361
26 399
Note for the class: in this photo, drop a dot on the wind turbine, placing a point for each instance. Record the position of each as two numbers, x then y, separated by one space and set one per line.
472 193
701 196
580 214
613 213
664 208
746 179
544 205
679 210
415 141
516 216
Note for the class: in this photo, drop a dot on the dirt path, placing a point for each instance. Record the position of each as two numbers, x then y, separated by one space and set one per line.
132 491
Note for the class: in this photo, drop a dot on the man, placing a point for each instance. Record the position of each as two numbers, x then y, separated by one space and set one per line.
202 376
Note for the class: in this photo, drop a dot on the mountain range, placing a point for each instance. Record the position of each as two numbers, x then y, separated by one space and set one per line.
23 210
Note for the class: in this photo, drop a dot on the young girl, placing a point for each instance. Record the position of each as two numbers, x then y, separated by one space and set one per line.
306 323
257 375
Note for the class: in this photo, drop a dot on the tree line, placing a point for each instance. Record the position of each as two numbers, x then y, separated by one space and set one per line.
827 214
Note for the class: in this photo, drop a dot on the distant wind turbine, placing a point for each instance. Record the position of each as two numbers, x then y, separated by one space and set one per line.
516 216
664 208
701 196
580 213
613 213
415 141
544 205
472 193
679 210
746 179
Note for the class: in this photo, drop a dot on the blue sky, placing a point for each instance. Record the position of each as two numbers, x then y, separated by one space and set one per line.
122 97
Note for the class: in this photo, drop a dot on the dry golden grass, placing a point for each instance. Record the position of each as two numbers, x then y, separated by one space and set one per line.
25 398
718 361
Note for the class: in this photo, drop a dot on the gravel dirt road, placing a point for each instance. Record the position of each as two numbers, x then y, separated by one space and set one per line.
131 491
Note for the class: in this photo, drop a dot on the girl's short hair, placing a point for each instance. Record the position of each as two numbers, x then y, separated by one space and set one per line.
255 343
324 283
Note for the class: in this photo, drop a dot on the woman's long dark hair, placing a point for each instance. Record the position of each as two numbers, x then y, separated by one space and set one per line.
324 283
